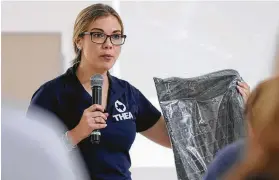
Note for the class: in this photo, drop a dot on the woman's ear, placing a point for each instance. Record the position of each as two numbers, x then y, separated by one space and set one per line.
79 43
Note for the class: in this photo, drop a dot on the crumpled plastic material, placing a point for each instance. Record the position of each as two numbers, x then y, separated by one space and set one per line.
203 114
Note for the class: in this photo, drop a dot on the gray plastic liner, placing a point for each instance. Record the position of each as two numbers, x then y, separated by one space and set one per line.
203 114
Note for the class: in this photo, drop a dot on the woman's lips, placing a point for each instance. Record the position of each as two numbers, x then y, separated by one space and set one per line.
107 56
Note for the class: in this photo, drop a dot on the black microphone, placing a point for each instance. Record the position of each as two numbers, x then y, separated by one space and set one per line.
96 87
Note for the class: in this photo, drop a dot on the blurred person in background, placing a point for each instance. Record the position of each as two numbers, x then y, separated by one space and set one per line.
227 157
260 158
32 149
97 39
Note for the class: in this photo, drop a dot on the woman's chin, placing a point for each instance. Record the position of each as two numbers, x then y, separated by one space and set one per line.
108 65
102 66
105 67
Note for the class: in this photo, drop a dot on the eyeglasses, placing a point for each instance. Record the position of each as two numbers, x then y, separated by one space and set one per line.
101 38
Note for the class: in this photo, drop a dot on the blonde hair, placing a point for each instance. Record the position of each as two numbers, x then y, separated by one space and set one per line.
87 16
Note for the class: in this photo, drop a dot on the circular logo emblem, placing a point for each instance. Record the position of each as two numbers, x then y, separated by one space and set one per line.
119 106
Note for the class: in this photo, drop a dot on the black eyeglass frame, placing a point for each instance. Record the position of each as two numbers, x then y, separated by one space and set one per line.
107 36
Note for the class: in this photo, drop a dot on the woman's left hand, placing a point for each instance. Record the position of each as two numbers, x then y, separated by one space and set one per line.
244 90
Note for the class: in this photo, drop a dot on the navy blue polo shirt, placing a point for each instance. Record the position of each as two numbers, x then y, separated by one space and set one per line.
129 112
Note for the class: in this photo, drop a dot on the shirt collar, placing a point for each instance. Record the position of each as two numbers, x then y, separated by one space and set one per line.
114 83
116 86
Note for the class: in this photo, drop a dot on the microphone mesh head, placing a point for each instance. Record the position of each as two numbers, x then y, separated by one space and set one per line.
96 80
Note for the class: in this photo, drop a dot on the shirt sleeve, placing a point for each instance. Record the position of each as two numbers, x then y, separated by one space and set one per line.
147 114
43 104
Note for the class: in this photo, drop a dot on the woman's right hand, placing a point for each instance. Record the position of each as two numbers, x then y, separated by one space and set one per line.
92 118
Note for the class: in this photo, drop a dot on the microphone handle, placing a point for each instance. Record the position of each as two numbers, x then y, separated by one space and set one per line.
97 95
96 99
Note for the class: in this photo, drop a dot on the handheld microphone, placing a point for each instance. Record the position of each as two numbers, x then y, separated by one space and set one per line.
96 87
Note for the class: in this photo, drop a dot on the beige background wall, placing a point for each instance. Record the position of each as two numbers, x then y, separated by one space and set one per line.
28 60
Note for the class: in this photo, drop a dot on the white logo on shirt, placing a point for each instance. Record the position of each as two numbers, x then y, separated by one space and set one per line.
120 107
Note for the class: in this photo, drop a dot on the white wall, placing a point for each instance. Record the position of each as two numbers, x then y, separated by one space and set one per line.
167 39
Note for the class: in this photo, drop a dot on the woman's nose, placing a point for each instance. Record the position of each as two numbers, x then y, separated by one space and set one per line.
107 44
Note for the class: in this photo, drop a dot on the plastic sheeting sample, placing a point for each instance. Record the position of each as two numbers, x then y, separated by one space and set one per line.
203 114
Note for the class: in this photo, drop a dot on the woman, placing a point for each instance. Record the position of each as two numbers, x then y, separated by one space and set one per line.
97 39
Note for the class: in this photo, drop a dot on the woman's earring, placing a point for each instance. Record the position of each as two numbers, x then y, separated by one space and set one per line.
79 50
